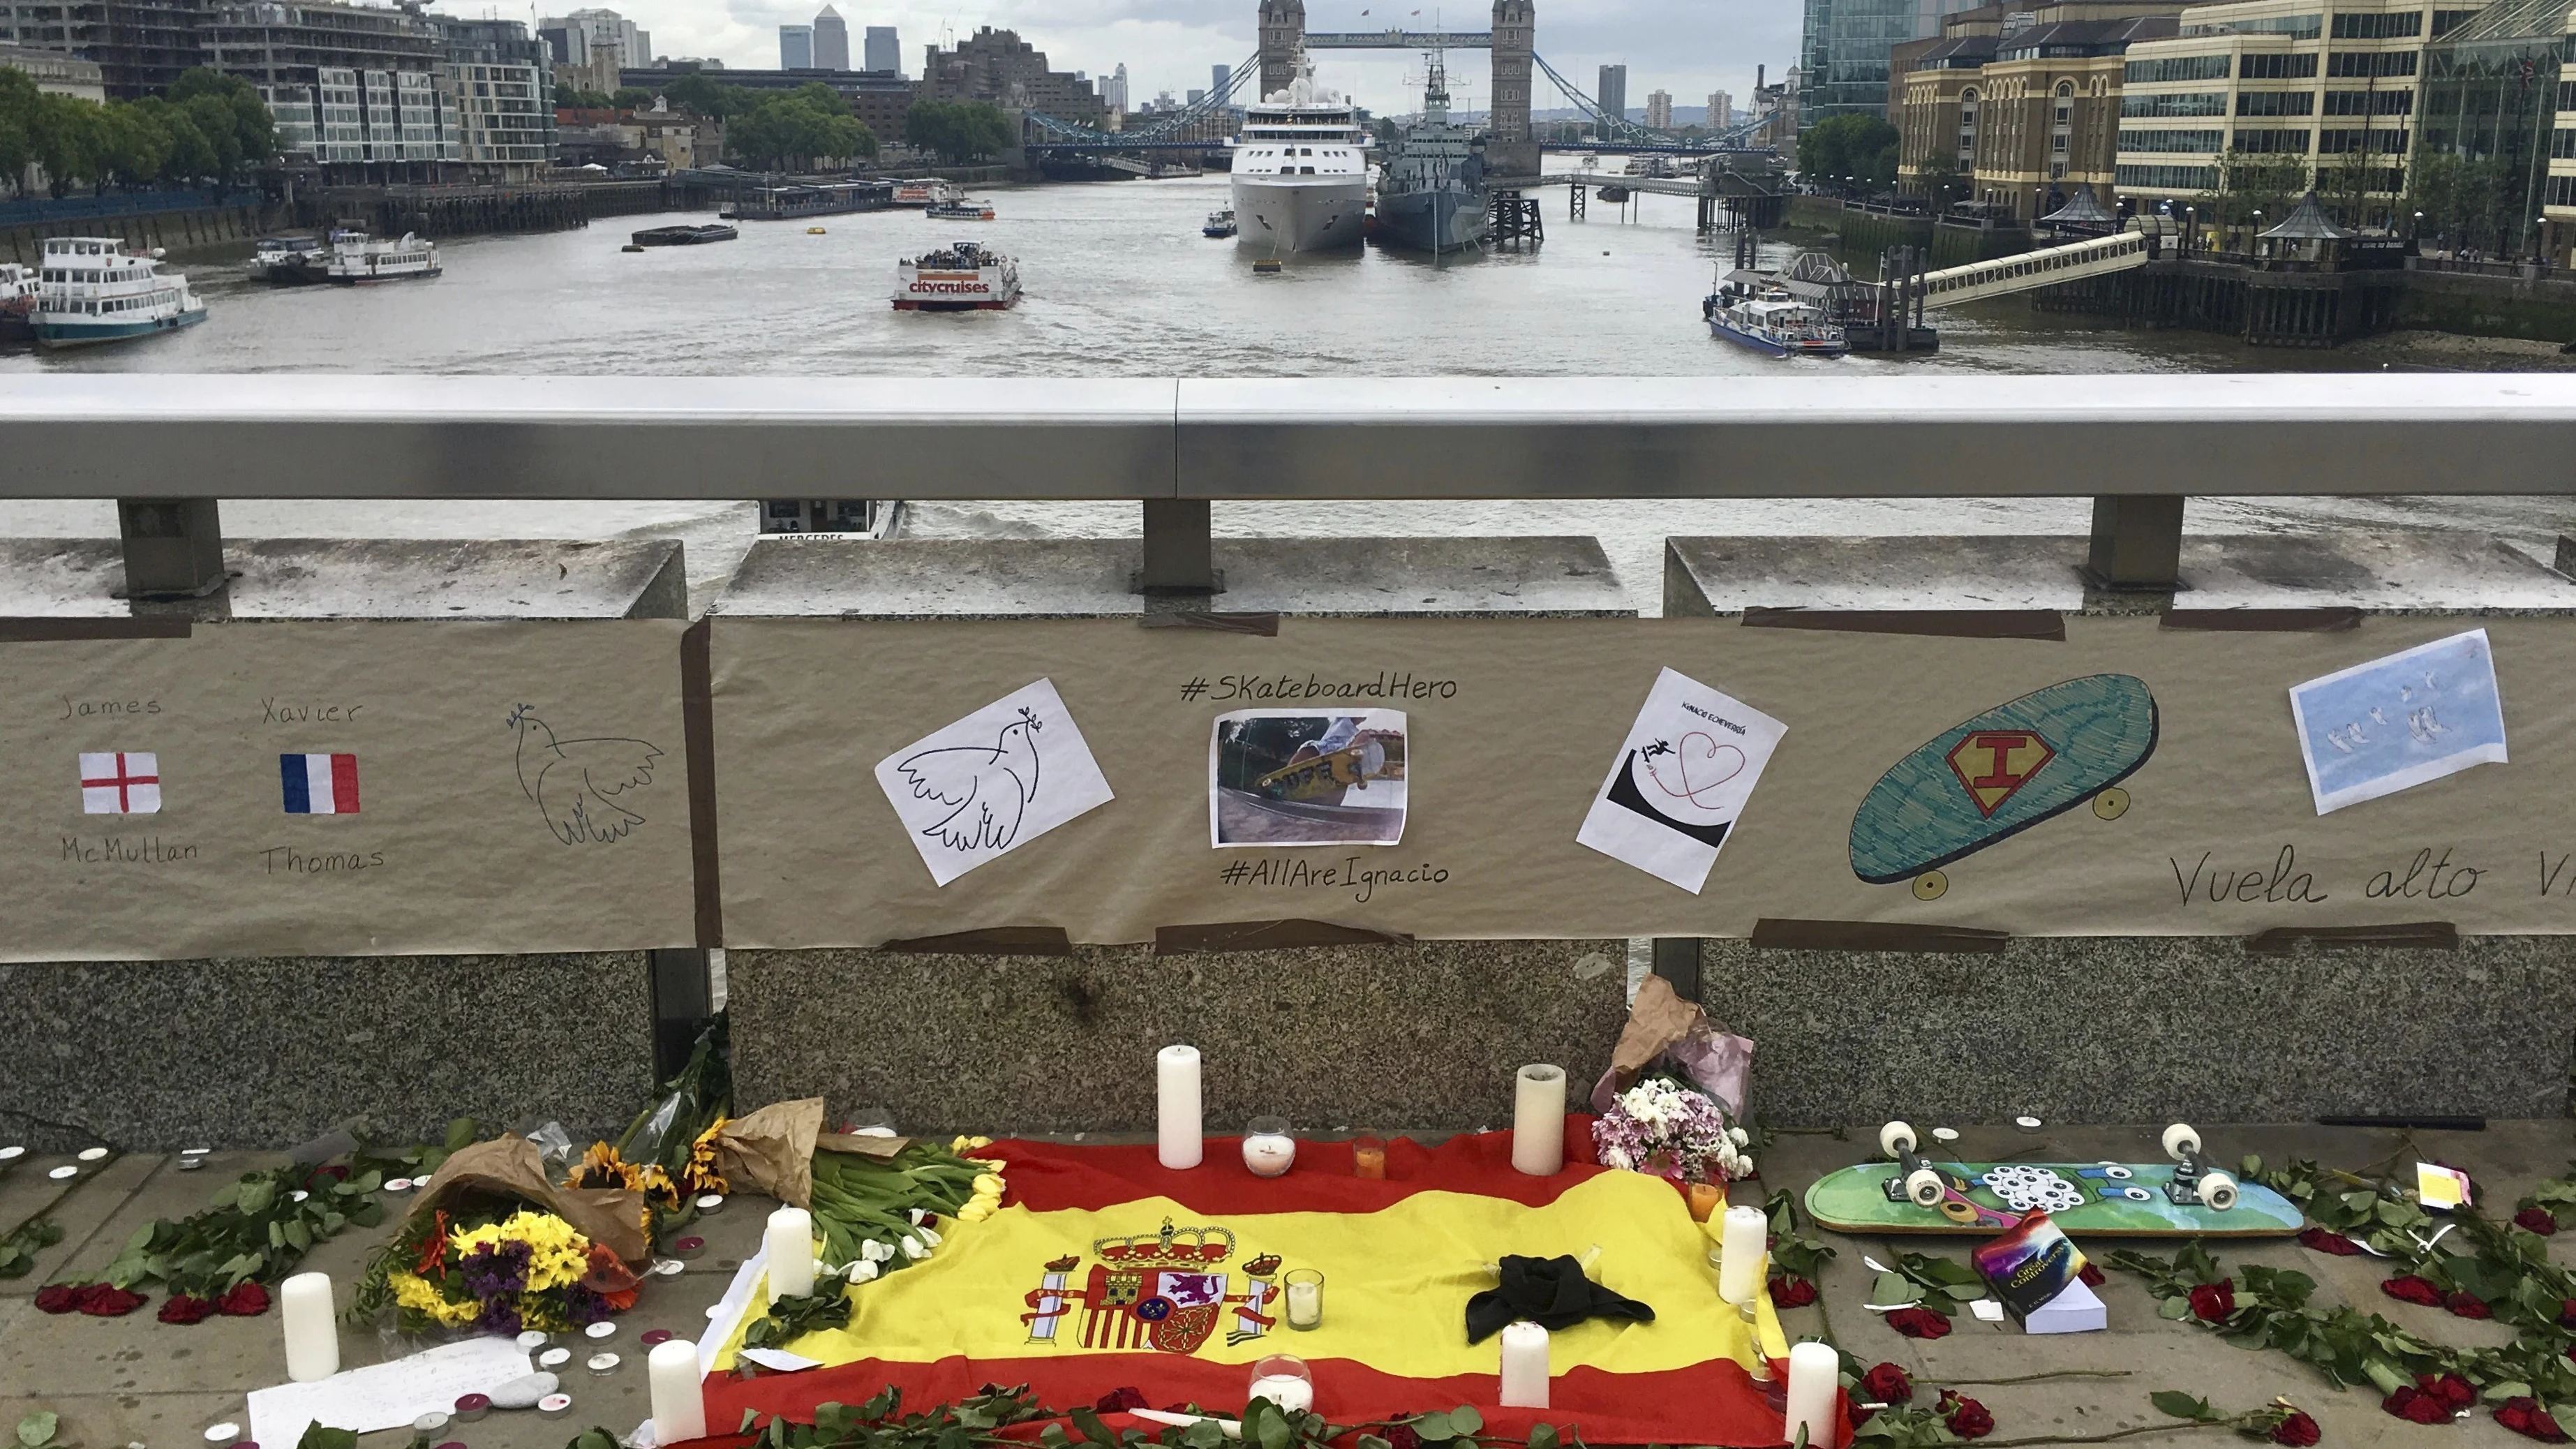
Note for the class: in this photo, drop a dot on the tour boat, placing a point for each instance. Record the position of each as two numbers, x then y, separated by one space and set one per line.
958 208
1301 168
922 193
1219 224
289 259
1772 321
17 302
682 236
358 258
93 289
962 277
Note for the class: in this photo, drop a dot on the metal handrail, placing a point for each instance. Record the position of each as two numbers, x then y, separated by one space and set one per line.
113 435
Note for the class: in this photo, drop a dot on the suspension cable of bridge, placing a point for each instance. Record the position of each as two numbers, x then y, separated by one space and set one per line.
1176 130
1610 128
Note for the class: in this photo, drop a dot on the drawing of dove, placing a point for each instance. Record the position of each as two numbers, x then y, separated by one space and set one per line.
581 787
987 788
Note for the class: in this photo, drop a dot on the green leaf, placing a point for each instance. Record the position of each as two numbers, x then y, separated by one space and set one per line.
1088 1424
1434 1428
461 1134
592 1438
318 1437
1465 1419
1275 1433
1542 1436
2176 1307
1206 1435
1366 1441
37 1429
2509 1389
300 1236
1054 1437
2182 1405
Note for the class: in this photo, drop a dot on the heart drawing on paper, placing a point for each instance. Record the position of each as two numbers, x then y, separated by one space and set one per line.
1702 765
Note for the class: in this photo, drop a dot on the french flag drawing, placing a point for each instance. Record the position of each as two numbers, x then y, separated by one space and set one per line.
319 784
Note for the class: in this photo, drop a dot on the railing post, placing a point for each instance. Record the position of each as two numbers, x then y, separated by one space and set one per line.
174 548
1179 555
2137 543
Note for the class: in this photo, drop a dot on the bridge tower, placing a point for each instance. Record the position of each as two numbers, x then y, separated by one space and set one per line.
1509 149
1283 33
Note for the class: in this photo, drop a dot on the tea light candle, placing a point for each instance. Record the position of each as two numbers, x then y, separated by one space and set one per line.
60 1173
1178 1127
602 1329
530 1341
1524 1366
1305 1299
554 1406
683 1248
1284 1380
789 1240
470 1408
398 1185
602 1363
93 1154
1705 1199
1368 1158
1814 1375
679 1407
554 1358
1743 1245
428 1427
1538 1120
710 1203
312 1334
654 1337
1268 1150
12 1153
222 1434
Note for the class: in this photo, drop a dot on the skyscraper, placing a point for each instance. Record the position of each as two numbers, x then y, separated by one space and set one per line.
885 50
1721 109
1612 92
1659 110
831 41
1113 90
1218 75
796 47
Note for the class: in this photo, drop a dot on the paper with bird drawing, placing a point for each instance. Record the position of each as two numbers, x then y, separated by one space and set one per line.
993 781
1681 781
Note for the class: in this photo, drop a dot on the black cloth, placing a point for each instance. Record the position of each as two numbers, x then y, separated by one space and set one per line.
1550 1292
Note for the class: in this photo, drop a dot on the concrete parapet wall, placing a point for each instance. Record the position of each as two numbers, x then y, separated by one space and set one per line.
177 232
1423 1035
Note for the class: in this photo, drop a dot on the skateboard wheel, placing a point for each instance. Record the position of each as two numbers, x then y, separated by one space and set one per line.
1924 1187
1896 1139
2218 1191
2181 1141
1929 885
2111 804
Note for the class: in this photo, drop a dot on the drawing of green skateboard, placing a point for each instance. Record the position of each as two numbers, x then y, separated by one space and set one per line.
2185 1196
2022 762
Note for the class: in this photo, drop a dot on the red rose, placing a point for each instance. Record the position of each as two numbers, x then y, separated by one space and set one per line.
2412 1403
2091 1275
246 1300
2326 1241
2451 1389
58 1298
1120 1400
1792 1292
2567 1313
1966 1417
2297 1431
2535 1220
1919 1323
2408 1288
1885 1383
106 1300
2524 1416
2467 1305
2212 1302
180 1308
1401 1436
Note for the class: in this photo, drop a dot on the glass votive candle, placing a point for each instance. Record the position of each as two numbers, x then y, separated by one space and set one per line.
1268 1150
1305 1299
1707 1199
1283 1380
1368 1158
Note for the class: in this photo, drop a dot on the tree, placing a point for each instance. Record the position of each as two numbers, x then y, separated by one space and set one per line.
1860 146
957 130
799 126
1941 180
630 98
227 109
702 95
2249 182
66 137
18 96
133 143
574 98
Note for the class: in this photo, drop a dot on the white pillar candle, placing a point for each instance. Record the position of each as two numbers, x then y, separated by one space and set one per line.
1743 1249
1292 1394
679 1405
1538 1121
1178 1132
312 1329
1524 1366
1815 1372
789 1242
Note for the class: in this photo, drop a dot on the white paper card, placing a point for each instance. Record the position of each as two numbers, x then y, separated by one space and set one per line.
387 1395
1681 781
2398 722
993 781
1987 1310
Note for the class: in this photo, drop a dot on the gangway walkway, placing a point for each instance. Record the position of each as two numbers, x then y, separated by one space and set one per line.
2046 267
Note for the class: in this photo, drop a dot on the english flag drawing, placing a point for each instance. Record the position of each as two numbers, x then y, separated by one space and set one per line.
119 783
319 784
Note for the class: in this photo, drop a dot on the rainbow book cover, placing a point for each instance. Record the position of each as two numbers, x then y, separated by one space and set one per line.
2029 1265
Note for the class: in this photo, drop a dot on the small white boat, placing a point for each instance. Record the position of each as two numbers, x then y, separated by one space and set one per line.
358 259
1772 321
963 277
93 289
959 208
17 302
924 192
1219 224
289 259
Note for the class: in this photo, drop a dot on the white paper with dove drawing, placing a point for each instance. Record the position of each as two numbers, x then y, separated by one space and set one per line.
993 781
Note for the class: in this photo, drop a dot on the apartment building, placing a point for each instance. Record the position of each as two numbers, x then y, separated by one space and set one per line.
139 46
500 94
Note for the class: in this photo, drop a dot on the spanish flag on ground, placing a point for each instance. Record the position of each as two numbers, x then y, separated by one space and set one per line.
1104 1270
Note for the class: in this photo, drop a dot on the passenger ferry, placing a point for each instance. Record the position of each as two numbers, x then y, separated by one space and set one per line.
17 302
963 277
1772 321
958 208
789 203
290 259
357 258
1301 169
92 289
925 192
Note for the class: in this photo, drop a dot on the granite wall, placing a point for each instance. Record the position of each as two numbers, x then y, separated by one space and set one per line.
1417 1036
2150 1029
268 1052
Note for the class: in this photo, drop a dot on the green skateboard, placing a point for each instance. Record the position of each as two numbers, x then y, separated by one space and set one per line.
2183 1197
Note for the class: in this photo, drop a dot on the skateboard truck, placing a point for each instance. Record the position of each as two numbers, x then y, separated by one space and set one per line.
2196 1179
1925 1185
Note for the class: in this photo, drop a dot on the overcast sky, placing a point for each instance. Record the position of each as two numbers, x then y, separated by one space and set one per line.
1688 47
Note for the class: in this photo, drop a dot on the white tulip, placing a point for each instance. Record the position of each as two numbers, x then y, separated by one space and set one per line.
862 1272
929 1236
913 1249
873 1251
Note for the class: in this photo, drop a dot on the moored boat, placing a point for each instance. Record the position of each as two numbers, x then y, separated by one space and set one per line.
1301 168
923 192
358 259
1432 195
1770 320
93 289
962 277
683 236
17 303
959 208
290 259
1219 223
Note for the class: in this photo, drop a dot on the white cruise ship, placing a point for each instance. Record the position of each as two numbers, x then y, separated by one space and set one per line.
1301 169
92 289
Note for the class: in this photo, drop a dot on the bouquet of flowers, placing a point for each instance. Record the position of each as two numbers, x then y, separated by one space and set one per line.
528 1270
1667 1127
874 1214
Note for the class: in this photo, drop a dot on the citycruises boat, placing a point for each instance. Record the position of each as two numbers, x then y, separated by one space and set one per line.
290 259
1772 321
17 303
682 236
1301 169
922 193
962 277
357 259
93 289
1219 223
958 208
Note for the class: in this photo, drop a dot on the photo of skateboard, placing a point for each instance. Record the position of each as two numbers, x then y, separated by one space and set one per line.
2187 1195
